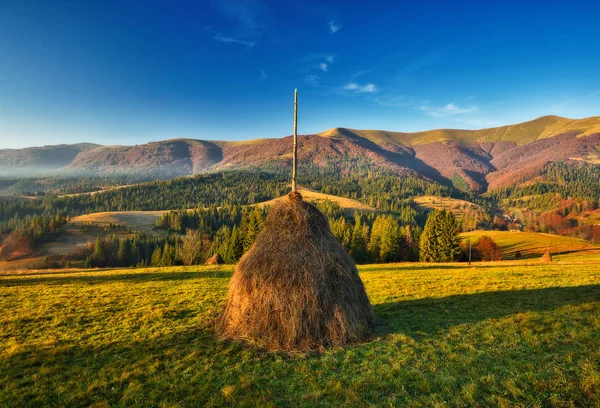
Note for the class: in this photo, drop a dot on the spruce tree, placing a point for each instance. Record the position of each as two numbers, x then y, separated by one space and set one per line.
374 246
439 241
358 246
157 257
124 252
389 246
98 253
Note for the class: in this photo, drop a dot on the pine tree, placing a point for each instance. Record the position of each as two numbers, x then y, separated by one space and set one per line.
124 252
168 255
358 246
449 240
374 246
157 257
250 227
439 241
97 256
389 246
236 244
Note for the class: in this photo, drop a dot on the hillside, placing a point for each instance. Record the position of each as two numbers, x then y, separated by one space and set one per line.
82 229
475 160
533 245
456 206
520 134
313 196
40 159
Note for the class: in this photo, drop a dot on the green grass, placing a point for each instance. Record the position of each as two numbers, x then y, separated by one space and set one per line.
496 334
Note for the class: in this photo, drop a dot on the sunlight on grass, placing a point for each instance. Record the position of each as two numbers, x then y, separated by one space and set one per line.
495 334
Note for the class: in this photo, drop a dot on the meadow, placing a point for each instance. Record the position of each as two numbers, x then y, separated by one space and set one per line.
492 334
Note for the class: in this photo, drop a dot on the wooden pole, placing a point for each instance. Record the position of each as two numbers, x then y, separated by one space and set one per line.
295 154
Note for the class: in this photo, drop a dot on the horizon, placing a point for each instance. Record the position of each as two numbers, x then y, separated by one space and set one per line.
288 135
225 70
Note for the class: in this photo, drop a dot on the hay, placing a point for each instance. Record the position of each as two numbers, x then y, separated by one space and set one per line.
547 257
296 288
214 260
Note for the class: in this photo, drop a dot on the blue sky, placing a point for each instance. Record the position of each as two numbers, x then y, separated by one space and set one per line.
128 72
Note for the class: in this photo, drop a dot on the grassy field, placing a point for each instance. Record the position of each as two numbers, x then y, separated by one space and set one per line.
533 245
142 221
495 334
456 206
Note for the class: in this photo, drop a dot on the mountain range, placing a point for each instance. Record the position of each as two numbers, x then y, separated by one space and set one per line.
480 159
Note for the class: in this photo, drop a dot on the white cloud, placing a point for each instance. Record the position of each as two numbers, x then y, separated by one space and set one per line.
323 67
449 110
354 87
334 27
225 39
263 74
351 86
369 88
330 58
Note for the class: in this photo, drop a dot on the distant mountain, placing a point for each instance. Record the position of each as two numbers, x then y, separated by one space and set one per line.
41 159
475 159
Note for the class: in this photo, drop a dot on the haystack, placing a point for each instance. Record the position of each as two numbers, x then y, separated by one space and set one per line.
547 257
214 260
296 288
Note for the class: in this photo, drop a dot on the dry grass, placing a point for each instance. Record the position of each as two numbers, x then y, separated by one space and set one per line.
310 195
142 221
521 133
296 288
533 245
456 206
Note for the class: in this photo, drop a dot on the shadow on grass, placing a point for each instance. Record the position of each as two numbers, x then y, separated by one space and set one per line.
431 315
126 277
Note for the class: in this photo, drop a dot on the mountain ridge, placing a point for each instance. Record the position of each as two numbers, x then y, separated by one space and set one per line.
470 159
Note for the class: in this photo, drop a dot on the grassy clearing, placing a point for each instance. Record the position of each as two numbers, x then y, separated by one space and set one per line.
456 206
313 196
496 334
142 221
533 245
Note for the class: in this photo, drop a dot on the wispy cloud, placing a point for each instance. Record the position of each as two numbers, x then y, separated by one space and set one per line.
448 110
243 11
311 79
334 27
243 28
320 61
222 38
357 88
263 74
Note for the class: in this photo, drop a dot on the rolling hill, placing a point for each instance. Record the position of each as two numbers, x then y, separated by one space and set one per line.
532 245
469 159
143 221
